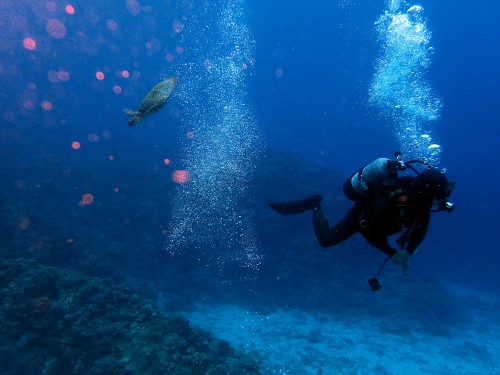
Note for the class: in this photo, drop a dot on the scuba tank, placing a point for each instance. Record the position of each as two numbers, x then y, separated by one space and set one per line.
379 171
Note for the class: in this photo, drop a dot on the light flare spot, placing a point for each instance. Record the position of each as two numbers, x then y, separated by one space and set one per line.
63 75
180 176
179 50
125 74
169 57
99 75
56 28
166 161
190 135
69 9
117 89
153 45
177 26
133 7
93 137
75 145
50 6
87 199
111 25
28 104
29 44
52 76
111 157
46 105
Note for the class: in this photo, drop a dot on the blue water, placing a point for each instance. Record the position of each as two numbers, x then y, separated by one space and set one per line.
255 77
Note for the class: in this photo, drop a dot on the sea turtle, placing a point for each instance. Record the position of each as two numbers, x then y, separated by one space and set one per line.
153 101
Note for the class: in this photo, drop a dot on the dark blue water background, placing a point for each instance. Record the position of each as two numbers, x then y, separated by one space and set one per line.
318 108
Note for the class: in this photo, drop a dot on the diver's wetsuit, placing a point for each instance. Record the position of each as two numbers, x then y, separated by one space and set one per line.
378 216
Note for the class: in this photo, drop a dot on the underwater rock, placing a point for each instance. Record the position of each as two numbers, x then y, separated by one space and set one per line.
74 324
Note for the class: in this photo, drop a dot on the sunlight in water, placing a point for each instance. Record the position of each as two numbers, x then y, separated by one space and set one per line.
399 86
213 209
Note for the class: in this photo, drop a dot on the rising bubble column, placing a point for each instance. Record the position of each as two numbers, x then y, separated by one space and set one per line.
213 210
399 87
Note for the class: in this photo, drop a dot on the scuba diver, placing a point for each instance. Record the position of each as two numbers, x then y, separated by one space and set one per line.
385 204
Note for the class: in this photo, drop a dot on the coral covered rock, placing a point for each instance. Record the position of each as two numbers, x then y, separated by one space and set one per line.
55 321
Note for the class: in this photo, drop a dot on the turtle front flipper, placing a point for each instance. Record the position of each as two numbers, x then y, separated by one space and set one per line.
135 116
129 112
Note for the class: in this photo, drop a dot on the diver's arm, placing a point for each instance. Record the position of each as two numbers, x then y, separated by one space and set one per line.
381 243
386 248
376 231
417 233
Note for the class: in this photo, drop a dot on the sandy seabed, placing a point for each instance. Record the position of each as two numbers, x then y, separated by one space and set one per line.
295 342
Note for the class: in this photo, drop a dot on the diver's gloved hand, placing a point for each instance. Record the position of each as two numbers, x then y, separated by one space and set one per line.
401 258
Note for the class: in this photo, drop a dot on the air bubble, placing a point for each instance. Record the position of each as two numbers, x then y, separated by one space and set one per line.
399 86
212 211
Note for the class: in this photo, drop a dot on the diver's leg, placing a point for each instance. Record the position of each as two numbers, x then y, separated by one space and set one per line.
297 207
339 232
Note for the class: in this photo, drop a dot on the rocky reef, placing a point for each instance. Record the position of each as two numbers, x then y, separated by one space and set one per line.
58 321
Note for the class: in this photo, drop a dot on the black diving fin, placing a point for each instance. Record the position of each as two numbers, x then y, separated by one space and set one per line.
297 207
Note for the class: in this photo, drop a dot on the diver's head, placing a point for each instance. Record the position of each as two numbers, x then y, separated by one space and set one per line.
433 183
